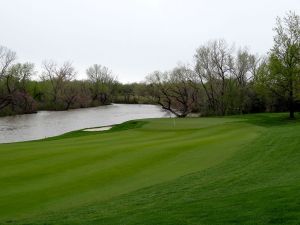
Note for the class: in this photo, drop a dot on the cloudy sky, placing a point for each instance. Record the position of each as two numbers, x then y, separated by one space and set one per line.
134 37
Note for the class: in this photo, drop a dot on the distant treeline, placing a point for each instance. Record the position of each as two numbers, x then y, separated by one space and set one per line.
222 81
57 88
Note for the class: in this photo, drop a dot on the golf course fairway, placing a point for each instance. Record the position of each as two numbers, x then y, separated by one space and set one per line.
230 170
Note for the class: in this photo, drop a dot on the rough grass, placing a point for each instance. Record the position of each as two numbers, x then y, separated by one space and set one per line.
234 170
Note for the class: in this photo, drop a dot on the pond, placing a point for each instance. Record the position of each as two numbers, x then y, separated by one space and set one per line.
51 123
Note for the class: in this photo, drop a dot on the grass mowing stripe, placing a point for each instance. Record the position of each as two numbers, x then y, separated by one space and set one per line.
63 154
83 161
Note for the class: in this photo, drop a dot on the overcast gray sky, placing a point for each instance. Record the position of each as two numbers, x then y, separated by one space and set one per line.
134 37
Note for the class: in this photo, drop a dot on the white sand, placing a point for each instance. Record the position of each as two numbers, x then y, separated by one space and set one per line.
98 129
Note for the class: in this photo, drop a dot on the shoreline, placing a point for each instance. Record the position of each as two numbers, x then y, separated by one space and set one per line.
71 109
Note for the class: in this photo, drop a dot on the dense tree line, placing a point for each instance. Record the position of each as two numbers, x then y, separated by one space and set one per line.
57 87
226 81
221 81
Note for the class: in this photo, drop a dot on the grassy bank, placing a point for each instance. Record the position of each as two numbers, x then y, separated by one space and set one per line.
234 170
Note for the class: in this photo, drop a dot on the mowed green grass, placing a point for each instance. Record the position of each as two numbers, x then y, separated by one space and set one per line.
232 170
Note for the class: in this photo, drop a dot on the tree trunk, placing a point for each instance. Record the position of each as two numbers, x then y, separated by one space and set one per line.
291 105
292 114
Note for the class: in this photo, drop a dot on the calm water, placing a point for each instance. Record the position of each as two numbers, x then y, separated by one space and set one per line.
48 123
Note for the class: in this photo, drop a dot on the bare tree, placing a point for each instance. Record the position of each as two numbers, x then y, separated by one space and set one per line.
102 81
244 70
6 59
174 90
213 67
14 77
58 77
242 67
21 73
70 95
15 93
224 75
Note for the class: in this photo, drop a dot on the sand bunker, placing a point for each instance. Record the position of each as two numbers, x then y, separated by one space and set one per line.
98 129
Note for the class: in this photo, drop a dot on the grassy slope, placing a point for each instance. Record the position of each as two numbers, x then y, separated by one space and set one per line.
202 171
